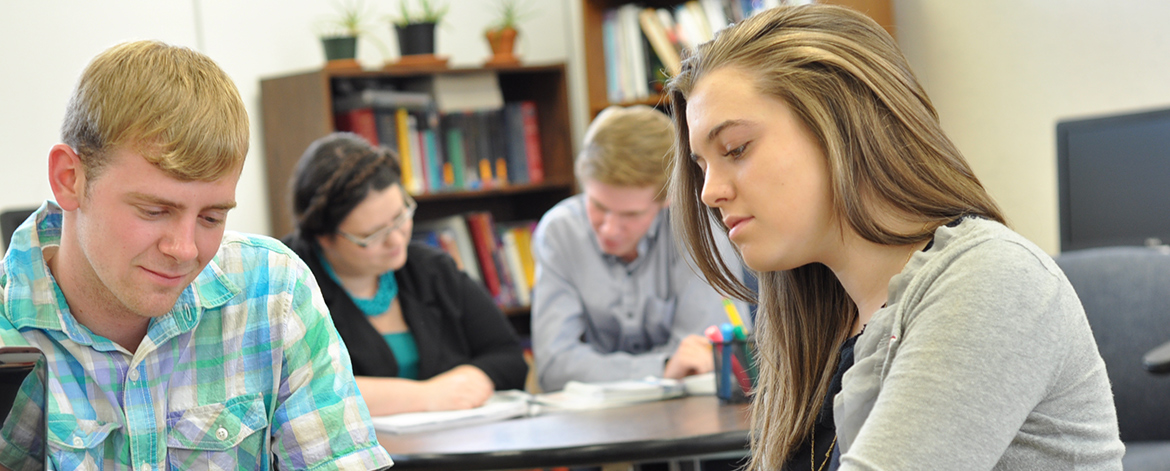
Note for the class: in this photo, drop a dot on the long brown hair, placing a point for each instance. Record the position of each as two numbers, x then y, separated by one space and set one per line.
846 80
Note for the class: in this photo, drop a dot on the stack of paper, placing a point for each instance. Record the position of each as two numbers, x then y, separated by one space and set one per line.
503 405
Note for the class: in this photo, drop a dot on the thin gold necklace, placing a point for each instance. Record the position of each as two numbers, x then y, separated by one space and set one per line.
812 452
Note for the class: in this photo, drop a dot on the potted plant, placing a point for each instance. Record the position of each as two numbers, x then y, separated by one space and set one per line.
501 35
416 30
340 33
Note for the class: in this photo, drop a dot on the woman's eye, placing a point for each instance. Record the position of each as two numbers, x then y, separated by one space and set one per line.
736 152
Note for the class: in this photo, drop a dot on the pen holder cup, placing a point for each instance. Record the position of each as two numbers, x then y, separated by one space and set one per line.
735 370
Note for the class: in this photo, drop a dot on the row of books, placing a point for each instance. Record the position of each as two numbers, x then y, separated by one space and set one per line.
454 150
644 46
499 255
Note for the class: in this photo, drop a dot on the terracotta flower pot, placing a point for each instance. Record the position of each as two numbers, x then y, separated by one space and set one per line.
503 43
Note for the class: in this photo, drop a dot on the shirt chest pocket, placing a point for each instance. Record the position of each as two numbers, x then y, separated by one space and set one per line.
78 443
230 435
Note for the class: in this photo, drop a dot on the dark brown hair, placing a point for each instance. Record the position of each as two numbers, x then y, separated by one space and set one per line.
334 175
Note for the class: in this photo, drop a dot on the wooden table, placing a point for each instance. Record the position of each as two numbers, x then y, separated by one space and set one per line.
677 428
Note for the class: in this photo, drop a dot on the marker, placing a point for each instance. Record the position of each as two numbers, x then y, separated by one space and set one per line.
732 312
713 334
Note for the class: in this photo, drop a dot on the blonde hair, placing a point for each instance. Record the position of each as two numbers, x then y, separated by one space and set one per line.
173 105
627 147
846 80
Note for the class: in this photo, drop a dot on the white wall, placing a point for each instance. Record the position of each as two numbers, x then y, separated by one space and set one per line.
44 45
1002 73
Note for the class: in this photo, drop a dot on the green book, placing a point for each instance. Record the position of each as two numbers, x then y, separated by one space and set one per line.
455 155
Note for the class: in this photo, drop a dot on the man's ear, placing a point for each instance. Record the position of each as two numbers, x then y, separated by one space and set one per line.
66 177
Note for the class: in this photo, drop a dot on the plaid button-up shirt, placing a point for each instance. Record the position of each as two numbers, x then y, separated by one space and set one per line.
246 368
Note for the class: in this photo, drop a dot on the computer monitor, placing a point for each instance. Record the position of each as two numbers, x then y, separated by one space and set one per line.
1114 180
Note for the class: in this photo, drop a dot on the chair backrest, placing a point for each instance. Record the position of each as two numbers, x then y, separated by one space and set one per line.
1126 295
10 219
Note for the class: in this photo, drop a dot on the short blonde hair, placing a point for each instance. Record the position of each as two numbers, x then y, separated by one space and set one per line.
172 104
627 147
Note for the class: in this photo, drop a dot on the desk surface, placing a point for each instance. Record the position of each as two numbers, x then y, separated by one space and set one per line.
682 427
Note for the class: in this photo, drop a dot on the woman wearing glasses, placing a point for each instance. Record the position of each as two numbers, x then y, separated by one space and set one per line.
422 335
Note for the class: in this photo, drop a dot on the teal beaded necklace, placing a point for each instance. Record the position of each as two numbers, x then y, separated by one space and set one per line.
375 306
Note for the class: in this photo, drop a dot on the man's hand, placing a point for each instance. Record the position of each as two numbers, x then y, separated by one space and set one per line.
462 387
692 357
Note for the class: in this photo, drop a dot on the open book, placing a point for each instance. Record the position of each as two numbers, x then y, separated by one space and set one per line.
578 395
502 405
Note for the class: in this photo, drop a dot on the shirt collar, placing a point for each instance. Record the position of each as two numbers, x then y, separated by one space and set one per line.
33 299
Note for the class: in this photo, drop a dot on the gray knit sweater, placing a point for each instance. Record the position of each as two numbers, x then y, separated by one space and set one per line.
983 359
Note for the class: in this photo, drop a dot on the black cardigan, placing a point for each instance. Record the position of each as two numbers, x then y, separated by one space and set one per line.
453 319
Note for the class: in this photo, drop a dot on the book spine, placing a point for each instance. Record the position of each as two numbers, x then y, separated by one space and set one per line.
479 226
515 267
434 166
455 154
523 235
404 155
483 148
449 245
387 128
514 138
417 177
532 142
613 80
359 121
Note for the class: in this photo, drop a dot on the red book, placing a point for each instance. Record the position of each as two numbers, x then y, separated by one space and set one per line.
359 121
480 226
532 142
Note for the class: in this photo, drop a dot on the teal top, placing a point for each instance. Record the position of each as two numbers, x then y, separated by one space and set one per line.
405 351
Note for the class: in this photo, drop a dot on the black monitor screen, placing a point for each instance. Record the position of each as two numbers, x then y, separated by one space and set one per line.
1114 180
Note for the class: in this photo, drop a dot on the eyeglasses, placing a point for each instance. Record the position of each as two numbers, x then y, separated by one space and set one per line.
397 224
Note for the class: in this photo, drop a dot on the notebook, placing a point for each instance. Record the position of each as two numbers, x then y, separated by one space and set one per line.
502 405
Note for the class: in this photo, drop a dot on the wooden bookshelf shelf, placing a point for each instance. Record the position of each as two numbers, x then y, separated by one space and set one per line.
298 109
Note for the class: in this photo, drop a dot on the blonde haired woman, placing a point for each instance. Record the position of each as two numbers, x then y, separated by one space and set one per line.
886 272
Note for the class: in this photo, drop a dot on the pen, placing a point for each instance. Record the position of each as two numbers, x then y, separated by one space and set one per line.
732 312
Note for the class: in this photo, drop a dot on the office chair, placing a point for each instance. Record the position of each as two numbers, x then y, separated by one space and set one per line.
1126 295
10 219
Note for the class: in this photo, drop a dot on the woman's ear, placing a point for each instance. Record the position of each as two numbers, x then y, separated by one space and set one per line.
66 177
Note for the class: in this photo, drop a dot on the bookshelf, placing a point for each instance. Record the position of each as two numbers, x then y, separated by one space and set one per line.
592 12
298 109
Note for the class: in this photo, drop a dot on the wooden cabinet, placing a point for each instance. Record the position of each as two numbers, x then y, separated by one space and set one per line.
593 11
298 109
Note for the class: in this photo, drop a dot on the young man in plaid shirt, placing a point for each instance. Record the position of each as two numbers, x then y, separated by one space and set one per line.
169 342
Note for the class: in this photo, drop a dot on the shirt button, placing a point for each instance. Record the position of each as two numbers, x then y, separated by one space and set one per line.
221 433
146 467
134 375
77 442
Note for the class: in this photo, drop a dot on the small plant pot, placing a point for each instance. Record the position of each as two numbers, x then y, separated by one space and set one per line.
503 44
416 39
342 47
